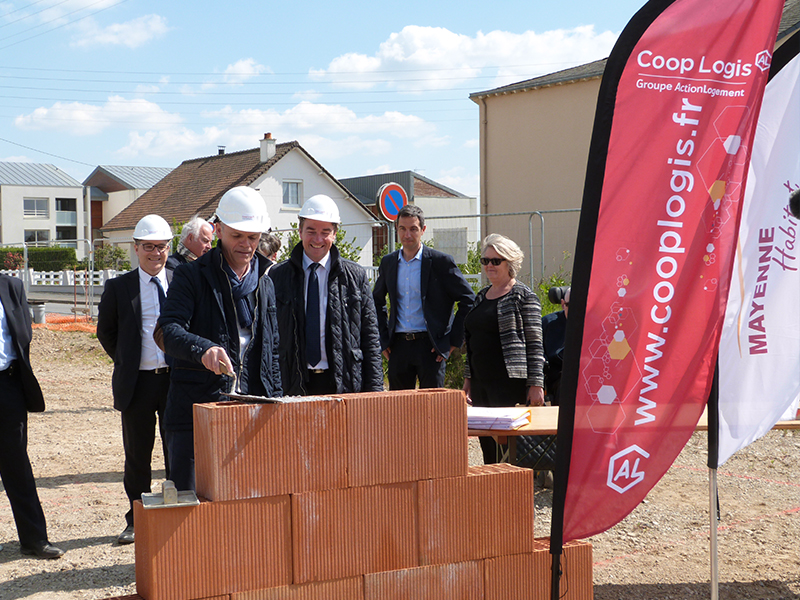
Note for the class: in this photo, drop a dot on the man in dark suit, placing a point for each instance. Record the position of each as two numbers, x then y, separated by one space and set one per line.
127 315
423 286
19 393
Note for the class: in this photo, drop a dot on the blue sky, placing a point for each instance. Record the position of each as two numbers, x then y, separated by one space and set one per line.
365 87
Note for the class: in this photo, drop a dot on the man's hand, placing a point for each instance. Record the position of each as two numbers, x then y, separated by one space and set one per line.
386 353
439 357
213 357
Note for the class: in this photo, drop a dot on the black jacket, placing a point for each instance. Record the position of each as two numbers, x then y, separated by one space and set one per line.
18 320
119 329
175 260
442 286
351 337
199 313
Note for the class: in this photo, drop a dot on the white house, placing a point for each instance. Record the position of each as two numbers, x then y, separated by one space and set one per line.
284 174
43 206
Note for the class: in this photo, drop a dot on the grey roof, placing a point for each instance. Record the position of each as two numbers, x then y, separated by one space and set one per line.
117 177
34 174
790 22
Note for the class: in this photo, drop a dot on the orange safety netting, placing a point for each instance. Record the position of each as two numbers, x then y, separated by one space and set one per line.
57 322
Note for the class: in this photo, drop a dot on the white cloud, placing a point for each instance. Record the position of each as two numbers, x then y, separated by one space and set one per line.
179 142
473 143
132 34
20 158
327 119
422 58
242 70
458 179
88 119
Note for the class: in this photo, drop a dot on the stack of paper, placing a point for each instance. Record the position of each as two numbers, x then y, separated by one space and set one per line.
505 417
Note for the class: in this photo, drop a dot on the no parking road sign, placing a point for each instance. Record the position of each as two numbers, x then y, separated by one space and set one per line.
391 198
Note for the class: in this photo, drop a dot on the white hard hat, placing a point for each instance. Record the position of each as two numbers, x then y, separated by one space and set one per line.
244 209
152 227
320 208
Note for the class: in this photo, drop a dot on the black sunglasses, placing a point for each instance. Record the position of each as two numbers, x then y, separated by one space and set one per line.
495 261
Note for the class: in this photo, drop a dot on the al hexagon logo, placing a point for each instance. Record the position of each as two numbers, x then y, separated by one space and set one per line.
764 60
620 468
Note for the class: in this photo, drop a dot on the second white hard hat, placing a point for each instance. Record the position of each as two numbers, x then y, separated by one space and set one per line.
320 208
244 209
152 227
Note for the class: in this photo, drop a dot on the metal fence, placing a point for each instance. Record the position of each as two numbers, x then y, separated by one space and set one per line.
546 237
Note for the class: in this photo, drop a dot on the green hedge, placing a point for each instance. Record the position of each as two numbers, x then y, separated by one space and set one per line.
44 259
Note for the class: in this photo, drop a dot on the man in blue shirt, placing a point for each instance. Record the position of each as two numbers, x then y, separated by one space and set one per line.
423 285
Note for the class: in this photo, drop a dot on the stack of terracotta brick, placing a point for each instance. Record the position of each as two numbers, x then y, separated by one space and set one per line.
367 497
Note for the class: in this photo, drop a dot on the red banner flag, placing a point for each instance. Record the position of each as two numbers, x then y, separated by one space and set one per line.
679 103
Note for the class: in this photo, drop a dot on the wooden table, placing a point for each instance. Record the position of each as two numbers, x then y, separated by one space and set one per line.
544 421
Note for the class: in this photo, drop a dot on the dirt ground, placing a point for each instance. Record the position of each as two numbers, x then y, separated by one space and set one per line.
660 551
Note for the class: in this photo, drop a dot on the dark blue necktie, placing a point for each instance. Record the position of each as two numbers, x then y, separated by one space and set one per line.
161 295
313 353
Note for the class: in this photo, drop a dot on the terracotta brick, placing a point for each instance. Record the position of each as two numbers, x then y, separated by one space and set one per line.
256 450
487 513
406 436
462 581
519 576
340 589
138 597
341 533
212 549
528 576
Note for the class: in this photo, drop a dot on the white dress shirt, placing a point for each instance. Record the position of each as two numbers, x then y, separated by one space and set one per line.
152 357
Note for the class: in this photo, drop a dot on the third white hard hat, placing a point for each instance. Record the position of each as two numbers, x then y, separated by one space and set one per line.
320 208
244 209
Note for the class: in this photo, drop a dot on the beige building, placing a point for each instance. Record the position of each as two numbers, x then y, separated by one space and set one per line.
534 146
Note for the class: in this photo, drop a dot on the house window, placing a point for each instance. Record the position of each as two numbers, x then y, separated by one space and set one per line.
37 237
35 208
66 212
69 234
292 192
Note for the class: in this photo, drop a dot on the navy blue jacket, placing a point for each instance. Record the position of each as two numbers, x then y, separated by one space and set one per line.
442 286
199 313
18 320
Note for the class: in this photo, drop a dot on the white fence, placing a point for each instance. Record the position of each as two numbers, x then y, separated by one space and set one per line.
63 278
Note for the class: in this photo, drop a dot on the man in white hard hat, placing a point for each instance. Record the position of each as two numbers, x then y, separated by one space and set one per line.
197 237
126 319
326 315
219 320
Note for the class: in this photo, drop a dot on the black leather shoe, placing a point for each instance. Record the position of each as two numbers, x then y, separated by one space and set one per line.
126 537
43 550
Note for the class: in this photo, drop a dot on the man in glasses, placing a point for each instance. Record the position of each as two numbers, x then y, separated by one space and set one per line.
126 318
423 285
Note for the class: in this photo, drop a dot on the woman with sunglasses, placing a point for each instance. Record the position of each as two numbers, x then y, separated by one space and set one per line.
503 333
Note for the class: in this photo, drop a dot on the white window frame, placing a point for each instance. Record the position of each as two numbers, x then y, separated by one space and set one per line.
288 184
37 212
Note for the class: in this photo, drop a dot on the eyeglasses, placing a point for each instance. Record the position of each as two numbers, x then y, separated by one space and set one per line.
495 261
147 247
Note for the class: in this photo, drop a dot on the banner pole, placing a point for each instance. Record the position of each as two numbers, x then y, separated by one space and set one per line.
713 523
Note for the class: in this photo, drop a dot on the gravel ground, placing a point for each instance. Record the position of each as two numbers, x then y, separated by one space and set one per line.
660 551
